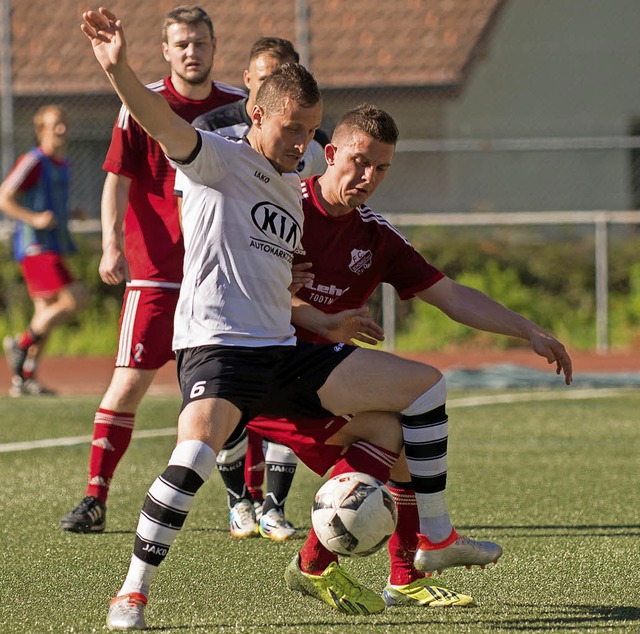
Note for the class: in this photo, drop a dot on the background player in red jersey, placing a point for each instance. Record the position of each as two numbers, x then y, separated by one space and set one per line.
36 195
138 204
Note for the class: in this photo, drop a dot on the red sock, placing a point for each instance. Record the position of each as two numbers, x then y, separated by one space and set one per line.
254 465
404 541
27 338
111 436
361 456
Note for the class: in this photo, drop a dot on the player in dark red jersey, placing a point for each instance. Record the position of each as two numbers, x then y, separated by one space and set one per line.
36 195
142 245
352 250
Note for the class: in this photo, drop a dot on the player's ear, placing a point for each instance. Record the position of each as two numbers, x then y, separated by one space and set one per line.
165 52
330 153
245 77
257 116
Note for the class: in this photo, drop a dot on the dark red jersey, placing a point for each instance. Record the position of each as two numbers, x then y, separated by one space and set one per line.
152 237
352 255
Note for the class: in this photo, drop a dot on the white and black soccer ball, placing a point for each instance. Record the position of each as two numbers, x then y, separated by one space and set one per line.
353 514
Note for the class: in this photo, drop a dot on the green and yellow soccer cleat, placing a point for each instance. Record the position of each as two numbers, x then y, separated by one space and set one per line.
424 592
335 588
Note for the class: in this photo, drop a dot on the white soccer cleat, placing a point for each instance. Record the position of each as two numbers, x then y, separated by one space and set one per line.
126 612
457 550
273 525
242 520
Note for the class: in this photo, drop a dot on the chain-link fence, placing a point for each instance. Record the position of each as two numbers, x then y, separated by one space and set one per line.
541 115
514 105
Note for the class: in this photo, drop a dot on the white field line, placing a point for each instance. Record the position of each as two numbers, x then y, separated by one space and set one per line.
570 394
472 401
77 440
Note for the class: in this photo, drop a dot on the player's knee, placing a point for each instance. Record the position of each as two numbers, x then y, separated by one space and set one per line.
380 428
78 298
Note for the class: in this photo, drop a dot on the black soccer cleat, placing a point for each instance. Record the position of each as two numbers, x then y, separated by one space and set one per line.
90 516
15 355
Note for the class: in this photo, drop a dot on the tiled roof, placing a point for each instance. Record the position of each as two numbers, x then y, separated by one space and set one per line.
355 44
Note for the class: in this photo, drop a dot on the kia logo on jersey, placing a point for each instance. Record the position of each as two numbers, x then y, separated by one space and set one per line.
276 223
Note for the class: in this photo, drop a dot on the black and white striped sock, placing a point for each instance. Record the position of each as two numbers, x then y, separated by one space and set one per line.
165 509
425 432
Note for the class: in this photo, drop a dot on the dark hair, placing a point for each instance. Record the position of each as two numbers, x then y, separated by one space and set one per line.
291 81
186 14
276 47
370 119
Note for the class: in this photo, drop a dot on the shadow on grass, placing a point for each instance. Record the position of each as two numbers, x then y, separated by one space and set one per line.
553 618
569 617
577 530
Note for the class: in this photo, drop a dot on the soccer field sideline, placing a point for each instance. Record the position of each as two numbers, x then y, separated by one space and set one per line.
471 401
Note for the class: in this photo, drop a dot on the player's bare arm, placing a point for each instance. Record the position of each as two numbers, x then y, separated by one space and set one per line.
177 138
343 327
473 308
10 205
113 267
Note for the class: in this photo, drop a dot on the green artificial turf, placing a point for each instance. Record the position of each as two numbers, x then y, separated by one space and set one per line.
555 481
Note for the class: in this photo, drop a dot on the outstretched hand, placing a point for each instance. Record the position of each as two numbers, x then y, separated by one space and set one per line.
554 352
104 31
300 276
353 325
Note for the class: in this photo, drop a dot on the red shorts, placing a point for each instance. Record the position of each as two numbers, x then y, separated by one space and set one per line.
45 274
146 328
306 437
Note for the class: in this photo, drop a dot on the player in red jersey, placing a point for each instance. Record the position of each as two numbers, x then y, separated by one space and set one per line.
138 204
36 195
352 250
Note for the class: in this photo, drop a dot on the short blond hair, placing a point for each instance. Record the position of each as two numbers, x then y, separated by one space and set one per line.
38 117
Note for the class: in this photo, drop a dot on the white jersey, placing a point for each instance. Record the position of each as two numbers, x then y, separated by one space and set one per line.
242 222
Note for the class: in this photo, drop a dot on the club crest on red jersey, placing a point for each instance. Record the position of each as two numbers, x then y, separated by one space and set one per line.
360 261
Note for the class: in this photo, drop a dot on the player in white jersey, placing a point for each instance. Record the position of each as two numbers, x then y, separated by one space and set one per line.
223 386
234 120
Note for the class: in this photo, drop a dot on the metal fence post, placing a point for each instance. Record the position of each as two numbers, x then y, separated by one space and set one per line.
602 283
6 89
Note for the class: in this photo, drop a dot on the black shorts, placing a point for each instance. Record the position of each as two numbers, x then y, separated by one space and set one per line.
278 381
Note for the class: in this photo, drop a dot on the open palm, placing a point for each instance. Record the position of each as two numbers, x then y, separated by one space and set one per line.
104 31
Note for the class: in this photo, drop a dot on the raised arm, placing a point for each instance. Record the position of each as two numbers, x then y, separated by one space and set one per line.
177 138
473 308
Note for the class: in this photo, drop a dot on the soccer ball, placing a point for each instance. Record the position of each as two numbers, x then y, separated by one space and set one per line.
353 514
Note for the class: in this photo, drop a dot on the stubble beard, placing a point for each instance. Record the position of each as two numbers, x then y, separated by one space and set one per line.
200 79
